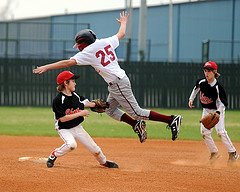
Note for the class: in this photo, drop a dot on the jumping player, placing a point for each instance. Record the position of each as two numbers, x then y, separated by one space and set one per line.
213 98
101 55
69 111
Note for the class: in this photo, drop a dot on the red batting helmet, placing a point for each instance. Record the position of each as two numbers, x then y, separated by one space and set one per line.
84 38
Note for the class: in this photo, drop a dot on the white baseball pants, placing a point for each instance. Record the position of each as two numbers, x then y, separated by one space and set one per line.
69 136
222 133
121 95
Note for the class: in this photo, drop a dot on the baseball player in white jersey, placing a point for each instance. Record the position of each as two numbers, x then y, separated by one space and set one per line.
213 98
101 55
69 113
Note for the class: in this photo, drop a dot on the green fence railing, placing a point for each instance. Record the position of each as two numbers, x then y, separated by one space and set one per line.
161 85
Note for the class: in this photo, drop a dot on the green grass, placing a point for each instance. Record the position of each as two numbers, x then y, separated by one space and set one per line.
31 121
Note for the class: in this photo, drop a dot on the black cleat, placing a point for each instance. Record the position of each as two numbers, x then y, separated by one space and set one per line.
50 161
140 129
110 164
175 126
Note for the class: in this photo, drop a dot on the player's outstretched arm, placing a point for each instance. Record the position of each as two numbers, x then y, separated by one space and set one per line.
57 65
123 24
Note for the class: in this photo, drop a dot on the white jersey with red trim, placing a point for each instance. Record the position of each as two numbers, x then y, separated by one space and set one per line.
102 57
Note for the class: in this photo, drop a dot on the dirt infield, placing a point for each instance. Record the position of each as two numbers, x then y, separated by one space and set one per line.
155 165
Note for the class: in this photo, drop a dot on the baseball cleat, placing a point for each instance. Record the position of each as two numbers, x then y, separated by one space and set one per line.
233 157
175 126
50 161
110 164
140 129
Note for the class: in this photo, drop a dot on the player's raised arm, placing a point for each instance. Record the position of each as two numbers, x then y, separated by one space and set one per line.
123 24
56 65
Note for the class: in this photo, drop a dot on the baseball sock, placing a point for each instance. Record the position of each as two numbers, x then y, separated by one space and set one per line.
129 120
154 116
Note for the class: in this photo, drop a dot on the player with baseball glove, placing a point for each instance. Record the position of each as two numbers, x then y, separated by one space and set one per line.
213 100
69 112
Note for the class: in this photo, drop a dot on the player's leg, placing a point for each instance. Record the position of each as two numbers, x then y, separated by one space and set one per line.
139 126
87 141
207 137
122 93
222 133
69 145
173 121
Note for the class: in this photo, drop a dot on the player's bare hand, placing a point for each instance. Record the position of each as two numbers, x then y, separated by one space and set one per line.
40 70
123 17
190 104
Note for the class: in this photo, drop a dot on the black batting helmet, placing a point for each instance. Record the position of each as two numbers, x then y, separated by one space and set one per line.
84 38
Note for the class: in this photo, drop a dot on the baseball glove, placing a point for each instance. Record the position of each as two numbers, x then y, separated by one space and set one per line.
210 120
100 105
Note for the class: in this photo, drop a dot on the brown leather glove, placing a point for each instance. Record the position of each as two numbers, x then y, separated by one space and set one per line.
210 120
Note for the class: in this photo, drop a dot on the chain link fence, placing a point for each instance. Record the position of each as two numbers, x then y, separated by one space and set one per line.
221 51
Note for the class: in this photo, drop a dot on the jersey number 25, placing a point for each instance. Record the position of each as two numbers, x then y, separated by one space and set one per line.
106 52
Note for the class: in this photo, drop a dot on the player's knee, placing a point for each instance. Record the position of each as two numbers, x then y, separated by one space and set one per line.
220 133
110 111
72 145
114 113
205 134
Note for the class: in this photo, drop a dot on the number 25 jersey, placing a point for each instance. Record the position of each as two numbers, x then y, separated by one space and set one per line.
102 57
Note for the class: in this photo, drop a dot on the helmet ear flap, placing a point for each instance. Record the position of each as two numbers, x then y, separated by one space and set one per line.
81 46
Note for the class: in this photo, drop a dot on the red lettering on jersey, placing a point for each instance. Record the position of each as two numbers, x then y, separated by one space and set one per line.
107 53
204 99
71 111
